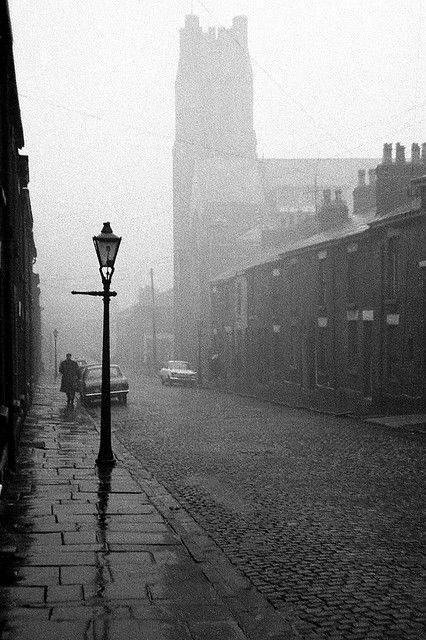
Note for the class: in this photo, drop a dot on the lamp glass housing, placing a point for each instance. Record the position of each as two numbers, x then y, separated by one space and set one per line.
106 246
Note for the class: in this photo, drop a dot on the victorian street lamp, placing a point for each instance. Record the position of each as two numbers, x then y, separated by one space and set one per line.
106 246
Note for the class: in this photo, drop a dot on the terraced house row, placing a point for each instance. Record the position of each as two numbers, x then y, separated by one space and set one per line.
336 320
20 317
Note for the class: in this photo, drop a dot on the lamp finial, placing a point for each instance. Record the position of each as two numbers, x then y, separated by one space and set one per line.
106 228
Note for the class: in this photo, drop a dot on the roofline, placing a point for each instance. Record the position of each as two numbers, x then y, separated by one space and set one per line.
8 36
412 214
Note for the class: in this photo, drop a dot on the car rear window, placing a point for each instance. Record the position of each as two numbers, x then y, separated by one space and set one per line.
93 374
183 366
96 374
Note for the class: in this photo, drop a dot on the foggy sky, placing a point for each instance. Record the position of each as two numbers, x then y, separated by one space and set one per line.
96 84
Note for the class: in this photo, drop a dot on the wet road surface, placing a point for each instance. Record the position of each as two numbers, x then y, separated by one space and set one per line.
324 515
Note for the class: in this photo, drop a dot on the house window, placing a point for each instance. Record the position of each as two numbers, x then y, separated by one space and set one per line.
391 350
410 349
352 275
277 349
321 357
352 343
322 284
239 298
292 285
392 267
293 346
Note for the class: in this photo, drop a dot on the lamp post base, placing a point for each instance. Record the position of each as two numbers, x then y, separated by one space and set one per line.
106 462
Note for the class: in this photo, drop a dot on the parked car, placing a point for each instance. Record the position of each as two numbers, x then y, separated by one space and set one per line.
91 383
178 372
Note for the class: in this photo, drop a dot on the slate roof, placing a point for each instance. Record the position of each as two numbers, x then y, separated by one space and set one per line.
355 226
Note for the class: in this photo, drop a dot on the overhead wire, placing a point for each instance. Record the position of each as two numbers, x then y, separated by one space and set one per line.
296 102
185 141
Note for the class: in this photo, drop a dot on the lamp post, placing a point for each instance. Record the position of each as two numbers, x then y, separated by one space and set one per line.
106 246
55 337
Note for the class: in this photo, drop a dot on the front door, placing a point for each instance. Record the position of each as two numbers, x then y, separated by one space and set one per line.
367 354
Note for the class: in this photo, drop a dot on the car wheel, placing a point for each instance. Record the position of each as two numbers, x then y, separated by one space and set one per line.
124 399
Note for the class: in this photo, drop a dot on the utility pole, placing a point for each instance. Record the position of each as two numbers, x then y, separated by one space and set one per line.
315 194
154 332
55 337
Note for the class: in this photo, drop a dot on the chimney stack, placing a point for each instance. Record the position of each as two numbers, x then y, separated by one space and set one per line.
364 195
399 153
415 153
387 154
332 213
393 178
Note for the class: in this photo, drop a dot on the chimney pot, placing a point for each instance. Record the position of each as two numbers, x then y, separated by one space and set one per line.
361 177
338 194
327 196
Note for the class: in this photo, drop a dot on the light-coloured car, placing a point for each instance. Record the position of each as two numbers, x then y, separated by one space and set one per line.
91 383
178 372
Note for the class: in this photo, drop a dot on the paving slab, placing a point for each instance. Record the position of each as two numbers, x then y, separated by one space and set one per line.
88 553
403 420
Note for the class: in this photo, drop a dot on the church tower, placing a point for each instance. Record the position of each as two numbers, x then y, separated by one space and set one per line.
214 119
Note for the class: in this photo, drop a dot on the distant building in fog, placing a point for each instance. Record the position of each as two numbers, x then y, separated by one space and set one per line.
217 189
229 206
134 332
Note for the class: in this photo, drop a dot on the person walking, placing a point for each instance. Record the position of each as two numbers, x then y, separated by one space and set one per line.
69 370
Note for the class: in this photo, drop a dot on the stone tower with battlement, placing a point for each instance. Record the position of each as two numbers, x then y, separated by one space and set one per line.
214 119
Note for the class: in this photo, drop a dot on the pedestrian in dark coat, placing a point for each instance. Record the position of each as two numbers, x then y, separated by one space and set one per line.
69 370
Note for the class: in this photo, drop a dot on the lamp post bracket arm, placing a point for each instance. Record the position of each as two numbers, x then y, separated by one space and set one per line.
94 293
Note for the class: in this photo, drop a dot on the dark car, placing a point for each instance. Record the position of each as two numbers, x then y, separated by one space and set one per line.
91 383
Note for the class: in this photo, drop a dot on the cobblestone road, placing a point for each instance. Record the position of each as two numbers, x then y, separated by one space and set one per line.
323 514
